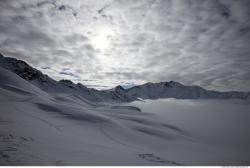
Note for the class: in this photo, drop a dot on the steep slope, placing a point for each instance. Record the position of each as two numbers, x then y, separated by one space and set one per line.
12 87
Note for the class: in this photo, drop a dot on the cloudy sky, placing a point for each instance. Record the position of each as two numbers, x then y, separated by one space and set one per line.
103 43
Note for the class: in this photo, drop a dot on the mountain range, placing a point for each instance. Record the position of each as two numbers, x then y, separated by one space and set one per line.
49 122
149 90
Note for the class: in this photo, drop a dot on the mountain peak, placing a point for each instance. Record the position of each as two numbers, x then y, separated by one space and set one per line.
119 88
22 69
81 86
172 83
66 81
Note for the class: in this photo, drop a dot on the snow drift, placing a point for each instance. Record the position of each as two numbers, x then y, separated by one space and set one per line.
45 122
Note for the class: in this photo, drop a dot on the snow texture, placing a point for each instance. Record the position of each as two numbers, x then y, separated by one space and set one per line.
45 122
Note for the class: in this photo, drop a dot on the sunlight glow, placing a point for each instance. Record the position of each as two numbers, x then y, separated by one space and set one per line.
103 38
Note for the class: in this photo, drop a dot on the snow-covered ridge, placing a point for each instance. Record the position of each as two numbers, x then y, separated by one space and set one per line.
176 90
118 94
52 122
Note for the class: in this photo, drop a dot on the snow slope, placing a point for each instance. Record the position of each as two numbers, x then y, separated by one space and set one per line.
219 129
63 129
37 128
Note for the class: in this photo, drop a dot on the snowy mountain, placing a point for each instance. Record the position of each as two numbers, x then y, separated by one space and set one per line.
48 122
51 86
118 94
176 90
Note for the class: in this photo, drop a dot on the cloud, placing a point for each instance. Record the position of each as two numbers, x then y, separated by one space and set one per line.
75 39
114 42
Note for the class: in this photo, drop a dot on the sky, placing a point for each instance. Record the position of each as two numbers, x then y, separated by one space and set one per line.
105 43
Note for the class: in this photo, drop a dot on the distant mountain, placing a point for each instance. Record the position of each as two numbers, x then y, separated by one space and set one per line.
118 94
176 90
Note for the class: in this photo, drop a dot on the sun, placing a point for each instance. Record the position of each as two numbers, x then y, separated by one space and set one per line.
102 38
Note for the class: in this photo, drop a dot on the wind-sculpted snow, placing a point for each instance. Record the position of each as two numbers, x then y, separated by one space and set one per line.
40 127
16 90
60 129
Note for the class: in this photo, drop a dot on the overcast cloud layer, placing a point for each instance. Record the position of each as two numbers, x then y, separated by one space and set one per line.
103 43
